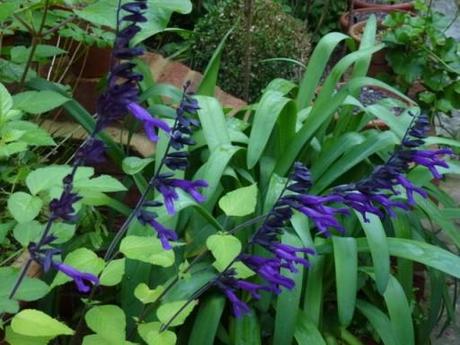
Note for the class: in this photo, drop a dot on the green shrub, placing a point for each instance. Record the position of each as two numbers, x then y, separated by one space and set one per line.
274 34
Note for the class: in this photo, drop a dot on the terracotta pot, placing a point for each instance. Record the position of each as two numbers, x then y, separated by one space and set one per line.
362 14
409 6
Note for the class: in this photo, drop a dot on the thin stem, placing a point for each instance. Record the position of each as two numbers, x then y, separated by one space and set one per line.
58 26
28 27
35 41
11 257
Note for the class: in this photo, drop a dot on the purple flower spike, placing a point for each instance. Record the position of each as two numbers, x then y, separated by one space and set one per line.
81 279
430 160
63 207
164 234
150 123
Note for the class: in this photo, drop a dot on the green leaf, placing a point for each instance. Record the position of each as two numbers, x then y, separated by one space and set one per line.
108 322
306 331
379 321
31 289
103 183
45 178
113 273
166 311
246 330
150 333
376 237
28 232
147 249
207 321
134 165
20 54
224 248
270 107
239 202
18 339
346 275
289 300
146 295
213 122
24 207
209 81
31 322
6 101
83 260
37 102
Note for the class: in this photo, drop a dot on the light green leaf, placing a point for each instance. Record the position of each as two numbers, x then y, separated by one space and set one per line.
24 207
20 54
83 260
108 322
239 202
150 333
45 178
18 339
146 295
224 248
166 311
28 232
35 323
134 165
37 102
147 249
103 183
306 331
113 273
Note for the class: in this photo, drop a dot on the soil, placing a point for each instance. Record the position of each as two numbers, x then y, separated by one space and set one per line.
370 95
359 16
386 2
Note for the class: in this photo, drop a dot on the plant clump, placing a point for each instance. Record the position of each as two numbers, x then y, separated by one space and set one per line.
274 34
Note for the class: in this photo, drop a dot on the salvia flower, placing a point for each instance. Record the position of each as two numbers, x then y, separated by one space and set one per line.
229 284
44 256
164 234
64 206
375 193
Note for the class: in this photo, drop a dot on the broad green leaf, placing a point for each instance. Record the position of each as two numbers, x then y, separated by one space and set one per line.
270 107
103 183
167 311
246 330
113 273
24 207
376 237
134 165
379 321
20 54
213 122
150 333
107 321
28 232
18 339
239 202
146 295
146 249
224 248
306 332
346 275
31 289
37 102
207 320
31 322
45 178
83 260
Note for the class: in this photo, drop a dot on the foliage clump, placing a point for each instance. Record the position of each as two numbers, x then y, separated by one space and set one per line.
274 34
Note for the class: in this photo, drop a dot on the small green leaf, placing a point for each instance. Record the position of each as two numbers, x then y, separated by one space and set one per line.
147 249
150 333
145 295
103 183
6 101
166 311
35 323
225 248
83 260
37 102
24 207
113 273
134 165
240 202
107 321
